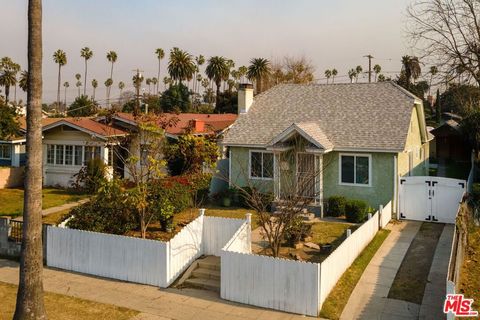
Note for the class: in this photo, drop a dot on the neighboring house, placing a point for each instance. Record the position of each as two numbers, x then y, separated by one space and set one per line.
68 143
12 151
360 138
450 143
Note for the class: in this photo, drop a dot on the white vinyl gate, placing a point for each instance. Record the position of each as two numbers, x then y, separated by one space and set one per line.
433 199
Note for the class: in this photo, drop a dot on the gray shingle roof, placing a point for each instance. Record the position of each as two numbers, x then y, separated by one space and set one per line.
350 116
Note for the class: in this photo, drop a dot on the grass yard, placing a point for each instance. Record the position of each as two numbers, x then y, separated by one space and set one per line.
64 307
231 212
12 200
337 299
470 274
330 232
55 218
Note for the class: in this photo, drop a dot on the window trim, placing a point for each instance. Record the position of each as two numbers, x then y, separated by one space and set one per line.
355 155
250 165
9 146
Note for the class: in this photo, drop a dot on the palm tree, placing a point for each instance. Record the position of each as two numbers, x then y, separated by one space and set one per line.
23 83
60 58
180 66
94 86
217 70
258 70
78 85
334 74
30 303
66 85
121 86
328 74
8 75
148 82
108 83
200 60
358 71
381 78
352 74
160 55
86 54
377 69
433 72
411 68
112 58
166 80
154 83
242 72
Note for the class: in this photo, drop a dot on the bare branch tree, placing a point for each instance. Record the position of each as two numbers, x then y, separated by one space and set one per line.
448 34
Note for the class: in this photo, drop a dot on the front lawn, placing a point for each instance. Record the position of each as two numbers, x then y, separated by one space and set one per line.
60 307
56 217
11 200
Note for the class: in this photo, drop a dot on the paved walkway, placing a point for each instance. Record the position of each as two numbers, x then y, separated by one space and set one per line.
46 212
154 303
369 298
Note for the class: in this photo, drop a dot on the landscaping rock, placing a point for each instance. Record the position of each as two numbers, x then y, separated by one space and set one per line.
312 245
298 245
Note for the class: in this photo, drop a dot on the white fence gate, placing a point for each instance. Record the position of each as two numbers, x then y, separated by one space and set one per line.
433 199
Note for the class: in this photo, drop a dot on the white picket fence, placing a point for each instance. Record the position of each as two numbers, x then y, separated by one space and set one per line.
287 285
138 260
385 214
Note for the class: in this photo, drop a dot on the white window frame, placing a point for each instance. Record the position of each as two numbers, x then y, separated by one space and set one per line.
355 155
2 155
250 165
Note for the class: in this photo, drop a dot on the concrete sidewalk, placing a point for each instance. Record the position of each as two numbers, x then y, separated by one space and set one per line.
153 302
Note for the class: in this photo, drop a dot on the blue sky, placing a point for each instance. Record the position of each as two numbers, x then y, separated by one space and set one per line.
331 33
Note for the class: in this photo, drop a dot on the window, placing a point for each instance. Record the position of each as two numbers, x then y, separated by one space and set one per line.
50 153
5 151
69 155
78 155
355 169
59 154
91 152
261 165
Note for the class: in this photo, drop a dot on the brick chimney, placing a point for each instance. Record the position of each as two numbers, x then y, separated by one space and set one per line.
245 97
198 125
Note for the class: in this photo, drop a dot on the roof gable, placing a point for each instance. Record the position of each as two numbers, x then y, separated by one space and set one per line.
310 131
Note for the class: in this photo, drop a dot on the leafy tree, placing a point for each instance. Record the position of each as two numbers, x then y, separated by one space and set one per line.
86 54
381 78
217 69
60 58
352 74
8 120
30 302
181 66
471 128
461 99
227 102
175 98
258 70
83 106
160 55
191 154
292 70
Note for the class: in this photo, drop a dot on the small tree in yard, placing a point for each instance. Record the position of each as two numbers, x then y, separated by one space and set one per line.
297 192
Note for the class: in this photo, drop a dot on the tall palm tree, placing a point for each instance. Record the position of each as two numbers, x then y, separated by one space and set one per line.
258 70
154 83
94 86
108 83
78 85
377 69
242 72
334 74
30 303
65 85
160 55
358 72
23 83
328 74
86 54
199 61
216 70
8 74
352 74
180 65
60 58
411 68
166 80
112 58
121 86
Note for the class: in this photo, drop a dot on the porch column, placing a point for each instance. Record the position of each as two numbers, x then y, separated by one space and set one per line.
276 175
15 155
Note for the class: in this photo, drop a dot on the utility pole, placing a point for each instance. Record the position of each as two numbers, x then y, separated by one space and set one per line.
370 57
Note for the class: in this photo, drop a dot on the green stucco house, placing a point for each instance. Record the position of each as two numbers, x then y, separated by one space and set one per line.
353 140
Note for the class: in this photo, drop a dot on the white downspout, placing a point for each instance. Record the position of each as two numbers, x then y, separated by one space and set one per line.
395 186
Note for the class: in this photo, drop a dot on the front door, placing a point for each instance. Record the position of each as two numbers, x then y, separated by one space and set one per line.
306 175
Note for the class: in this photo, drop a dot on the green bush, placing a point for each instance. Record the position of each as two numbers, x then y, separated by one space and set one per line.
91 176
108 212
336 206
356 210
297 230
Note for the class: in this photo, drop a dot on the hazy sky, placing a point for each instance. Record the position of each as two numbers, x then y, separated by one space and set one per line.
331 33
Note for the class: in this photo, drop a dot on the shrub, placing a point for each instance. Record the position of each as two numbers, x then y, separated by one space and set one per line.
90 177
177 190
108 212
336 206
296 231
356 211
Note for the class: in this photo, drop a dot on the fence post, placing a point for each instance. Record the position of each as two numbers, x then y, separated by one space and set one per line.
349 232
380 217
202 212
369 215
248 217
4 225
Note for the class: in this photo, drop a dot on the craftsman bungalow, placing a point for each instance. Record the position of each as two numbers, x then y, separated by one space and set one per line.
359 138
